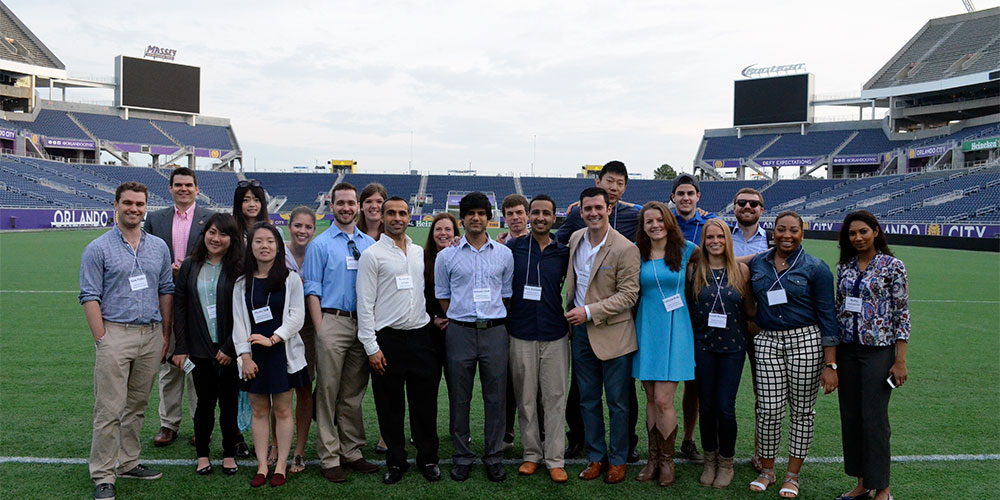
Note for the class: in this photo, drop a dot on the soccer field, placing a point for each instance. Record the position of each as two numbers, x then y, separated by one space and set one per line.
944 420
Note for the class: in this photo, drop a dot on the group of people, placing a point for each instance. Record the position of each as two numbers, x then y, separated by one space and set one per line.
651 293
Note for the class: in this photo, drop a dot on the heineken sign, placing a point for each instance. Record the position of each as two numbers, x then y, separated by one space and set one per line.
980 144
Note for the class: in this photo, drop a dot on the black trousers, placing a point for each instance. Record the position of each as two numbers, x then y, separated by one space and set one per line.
215 383
574 415
864 411
412 372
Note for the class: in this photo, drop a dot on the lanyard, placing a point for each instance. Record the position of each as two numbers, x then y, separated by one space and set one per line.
538 265
718 291
266 303
777 278
657 278
135 256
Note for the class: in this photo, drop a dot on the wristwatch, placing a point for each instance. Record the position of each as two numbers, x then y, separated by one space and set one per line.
832 365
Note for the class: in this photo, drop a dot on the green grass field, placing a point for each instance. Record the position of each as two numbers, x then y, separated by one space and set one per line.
950 406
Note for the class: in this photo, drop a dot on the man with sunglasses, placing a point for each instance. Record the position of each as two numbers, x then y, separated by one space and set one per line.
330 271
748 237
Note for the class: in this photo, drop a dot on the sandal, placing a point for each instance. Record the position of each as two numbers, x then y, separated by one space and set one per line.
758 485
271 461
755 461
298 464
792 479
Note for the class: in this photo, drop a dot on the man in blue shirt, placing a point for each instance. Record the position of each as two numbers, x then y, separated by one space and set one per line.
624 218
748 237
685 193
330 271
473 282
126 289
539 346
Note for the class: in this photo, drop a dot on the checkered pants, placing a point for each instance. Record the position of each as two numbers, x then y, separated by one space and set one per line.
789 365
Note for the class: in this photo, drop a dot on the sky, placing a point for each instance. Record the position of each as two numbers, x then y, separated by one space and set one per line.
517 86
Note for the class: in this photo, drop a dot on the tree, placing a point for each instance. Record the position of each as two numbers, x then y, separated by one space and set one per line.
665 172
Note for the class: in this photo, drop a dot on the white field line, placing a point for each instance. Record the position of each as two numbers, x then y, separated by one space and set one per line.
818 460
931 301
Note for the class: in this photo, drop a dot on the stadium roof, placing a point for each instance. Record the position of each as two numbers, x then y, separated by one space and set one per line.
18 44
947 52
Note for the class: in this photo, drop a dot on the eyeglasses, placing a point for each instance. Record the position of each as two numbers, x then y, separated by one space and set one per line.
354 249
752 203
250 183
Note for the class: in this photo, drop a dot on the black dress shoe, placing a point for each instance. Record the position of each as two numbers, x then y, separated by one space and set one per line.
574 449
393 475
496 472
460 472
242 451
431 472
230 471
633 456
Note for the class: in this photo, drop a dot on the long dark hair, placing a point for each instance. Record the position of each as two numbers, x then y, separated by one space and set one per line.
369 191
430 247
278 273
673 253
232 262
847 250
258 192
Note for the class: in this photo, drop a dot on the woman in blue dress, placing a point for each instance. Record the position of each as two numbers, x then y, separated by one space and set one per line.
268 312
663 330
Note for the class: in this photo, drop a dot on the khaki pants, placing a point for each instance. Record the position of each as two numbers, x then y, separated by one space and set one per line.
341 382
172 381
124 370
541 369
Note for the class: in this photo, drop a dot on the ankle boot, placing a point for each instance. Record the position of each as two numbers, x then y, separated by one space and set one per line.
649 471
724 474
667 477
709 474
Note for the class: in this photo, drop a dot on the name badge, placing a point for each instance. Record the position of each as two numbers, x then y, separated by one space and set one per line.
532 292
138 282
352 263
188 365
776 297
716 320
262 314
481 294
853 304
404 282
211 311
673 302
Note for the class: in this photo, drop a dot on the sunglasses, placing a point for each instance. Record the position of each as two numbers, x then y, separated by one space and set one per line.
354 249
752 203
250 183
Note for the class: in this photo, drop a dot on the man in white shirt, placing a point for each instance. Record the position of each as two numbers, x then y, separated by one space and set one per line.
393 328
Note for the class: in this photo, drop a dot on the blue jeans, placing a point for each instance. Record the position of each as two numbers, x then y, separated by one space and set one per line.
718 375
613 375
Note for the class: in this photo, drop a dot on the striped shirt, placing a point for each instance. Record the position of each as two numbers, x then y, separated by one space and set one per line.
460 270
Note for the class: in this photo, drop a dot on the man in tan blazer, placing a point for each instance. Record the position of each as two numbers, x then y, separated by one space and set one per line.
602 285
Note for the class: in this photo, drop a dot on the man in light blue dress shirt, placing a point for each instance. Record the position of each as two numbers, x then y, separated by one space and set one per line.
474 281
330 271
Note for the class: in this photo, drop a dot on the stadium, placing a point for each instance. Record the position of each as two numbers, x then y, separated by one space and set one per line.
926 162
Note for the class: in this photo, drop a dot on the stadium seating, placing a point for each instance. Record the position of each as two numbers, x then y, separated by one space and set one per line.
395 184
870 141
200 136
113 128
440 185
811 144
53 123
218 186
301 189
731 147
563 191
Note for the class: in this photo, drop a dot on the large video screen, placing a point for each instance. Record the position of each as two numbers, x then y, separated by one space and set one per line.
763 101
143 83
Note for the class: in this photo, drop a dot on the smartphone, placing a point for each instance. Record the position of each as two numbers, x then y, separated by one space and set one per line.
891 381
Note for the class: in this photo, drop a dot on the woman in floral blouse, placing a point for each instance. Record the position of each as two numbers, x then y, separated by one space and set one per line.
874 321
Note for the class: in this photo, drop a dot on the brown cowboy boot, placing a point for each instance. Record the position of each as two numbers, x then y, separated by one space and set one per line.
650 470
667 477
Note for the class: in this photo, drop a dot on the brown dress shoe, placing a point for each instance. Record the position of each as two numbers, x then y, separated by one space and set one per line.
334 474
558 475
361 465
165 437
616 474
527 468
593 470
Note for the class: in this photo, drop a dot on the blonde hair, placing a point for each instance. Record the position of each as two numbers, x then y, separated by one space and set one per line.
701 270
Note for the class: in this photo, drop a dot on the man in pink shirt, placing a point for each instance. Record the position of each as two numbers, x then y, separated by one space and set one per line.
179 226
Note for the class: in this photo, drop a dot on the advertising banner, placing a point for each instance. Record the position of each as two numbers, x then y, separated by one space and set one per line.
8 134
43 218
785 162
923 229
857 160
976 145
926 151
726 163
68 143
